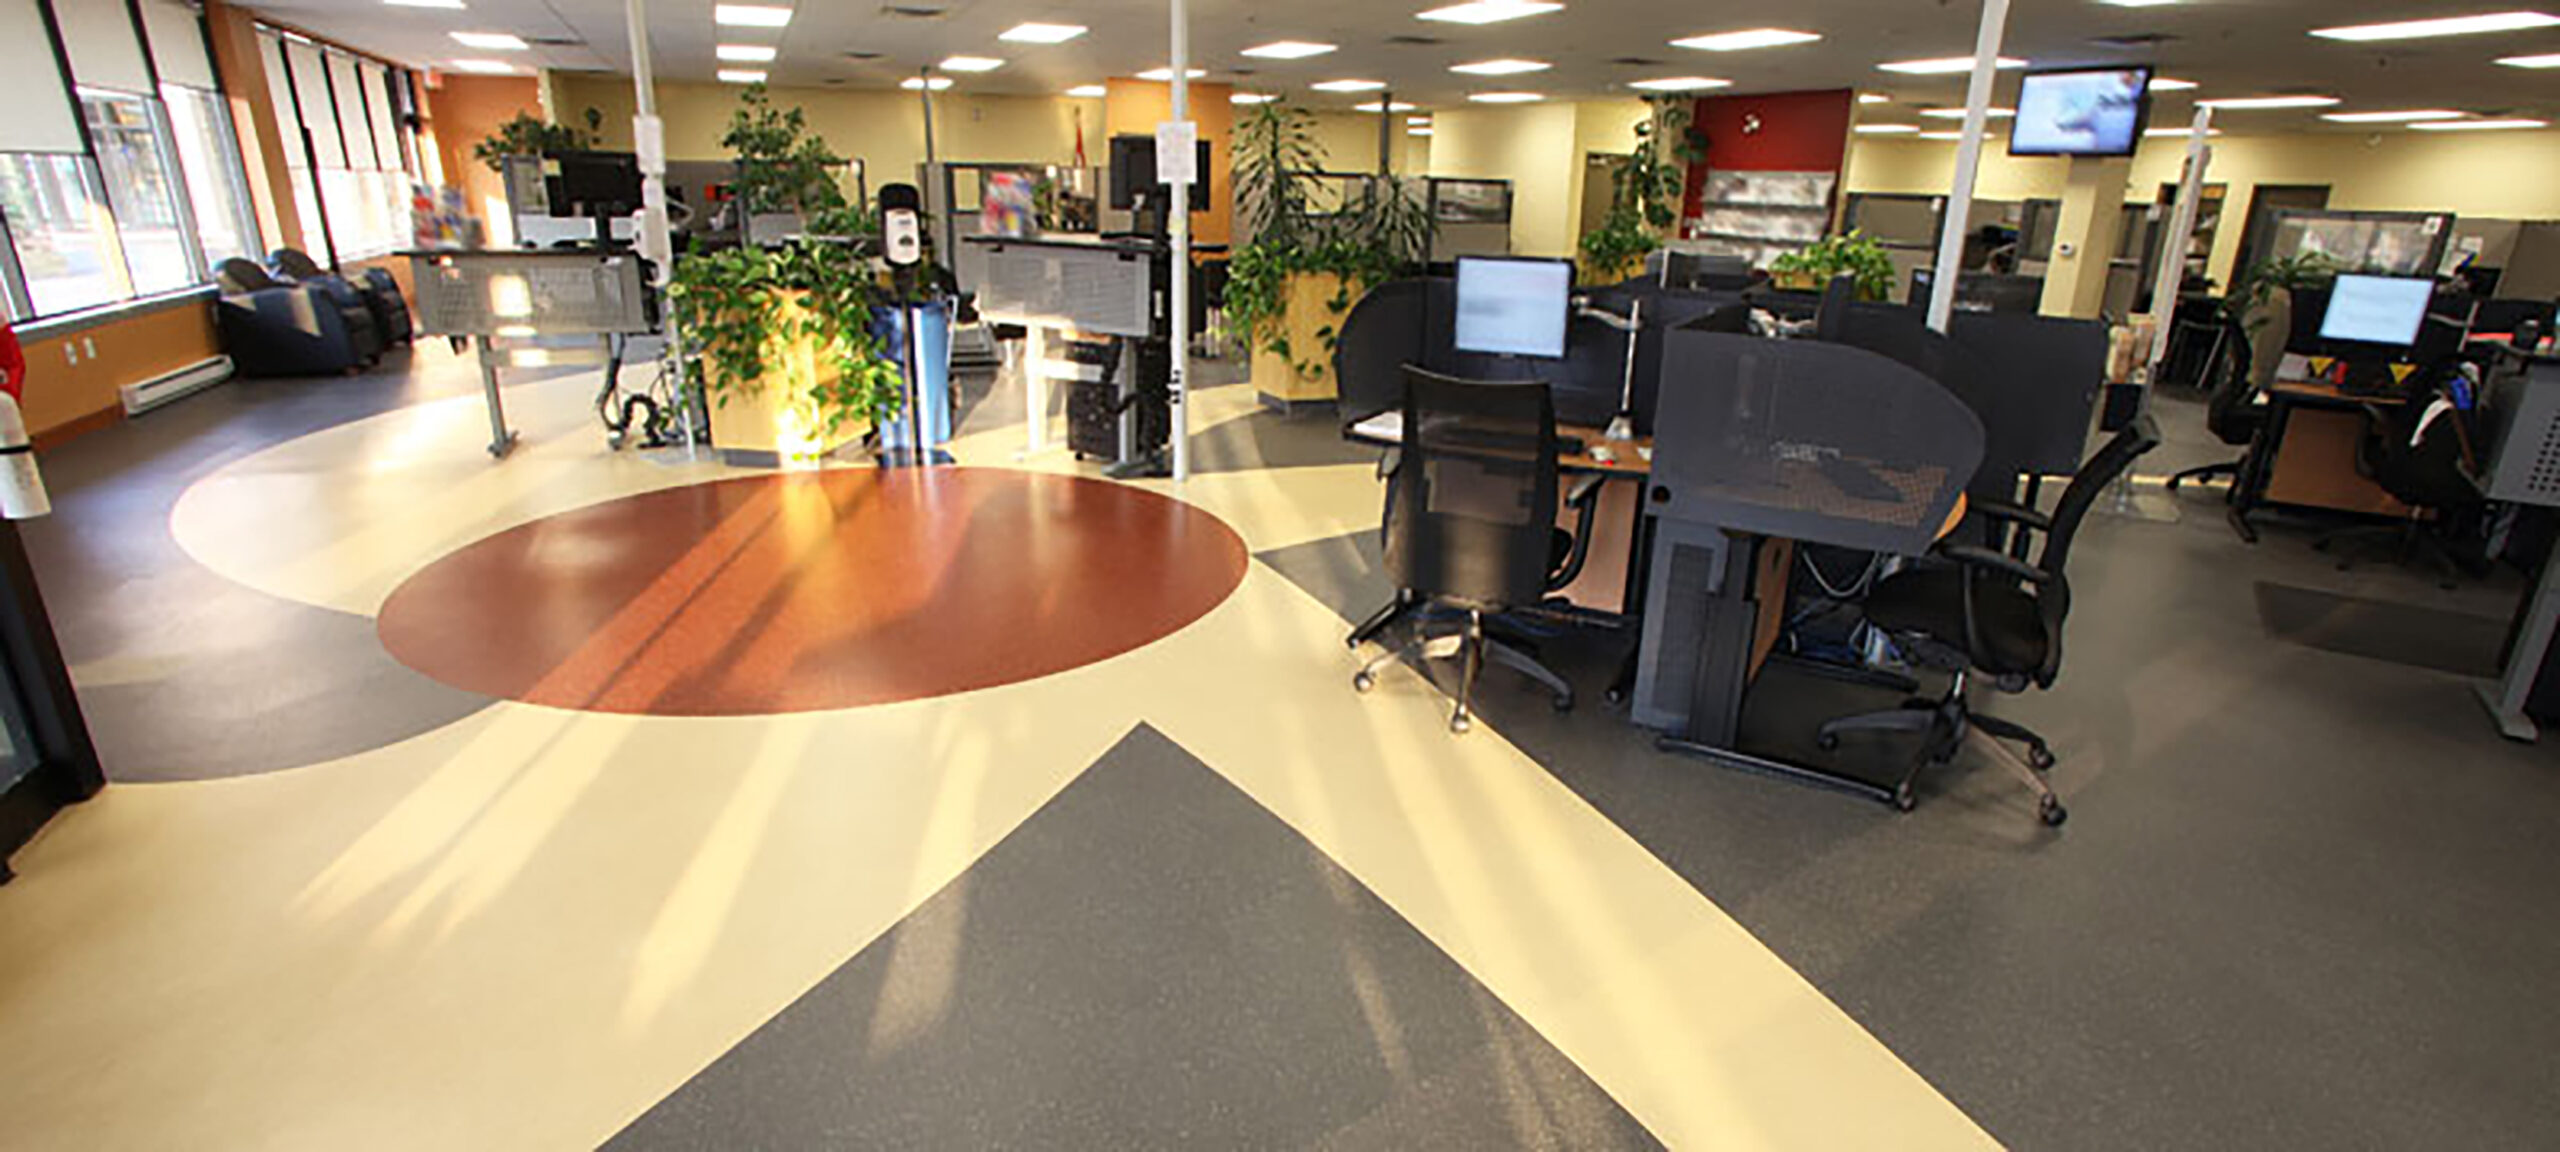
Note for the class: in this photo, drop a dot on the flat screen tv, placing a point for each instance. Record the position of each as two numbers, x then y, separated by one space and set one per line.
2081 112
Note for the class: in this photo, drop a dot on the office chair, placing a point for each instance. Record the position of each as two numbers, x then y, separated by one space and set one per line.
1470 524
2423 457
2231 412
1991 613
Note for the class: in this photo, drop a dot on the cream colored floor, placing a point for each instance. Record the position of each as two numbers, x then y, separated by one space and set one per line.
525 928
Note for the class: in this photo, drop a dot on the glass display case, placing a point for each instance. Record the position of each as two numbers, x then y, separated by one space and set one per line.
2381 243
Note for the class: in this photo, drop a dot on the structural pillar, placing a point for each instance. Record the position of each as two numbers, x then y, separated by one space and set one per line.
2085 236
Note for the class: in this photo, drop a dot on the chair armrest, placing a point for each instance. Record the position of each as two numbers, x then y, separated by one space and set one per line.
1584 499
2001 510
1585 488
1977 556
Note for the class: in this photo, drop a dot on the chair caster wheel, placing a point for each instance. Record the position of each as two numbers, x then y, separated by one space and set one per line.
1827 741
2051 812
1904 799
1614 696
1459 724
1362 682
1564 702
2040 758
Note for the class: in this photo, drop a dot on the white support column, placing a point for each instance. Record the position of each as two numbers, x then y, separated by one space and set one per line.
1977 101
649 141
1180 357
2173 248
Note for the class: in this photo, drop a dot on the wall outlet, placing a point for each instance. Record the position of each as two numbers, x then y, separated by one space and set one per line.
70 352
89 347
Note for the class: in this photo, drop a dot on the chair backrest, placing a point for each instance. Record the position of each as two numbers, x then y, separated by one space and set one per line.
2111 460
240 274
2230 411
1471 509
2418 454
1383 333
294 262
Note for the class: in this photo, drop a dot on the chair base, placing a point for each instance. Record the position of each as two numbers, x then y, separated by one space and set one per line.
2228 470
1945 725
1471 647
2403 542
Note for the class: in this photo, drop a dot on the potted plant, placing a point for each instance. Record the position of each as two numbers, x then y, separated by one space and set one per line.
1811 267
1646 189
525 135
783 169
1291 284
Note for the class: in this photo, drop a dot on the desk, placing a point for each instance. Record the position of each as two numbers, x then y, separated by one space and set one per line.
2305 453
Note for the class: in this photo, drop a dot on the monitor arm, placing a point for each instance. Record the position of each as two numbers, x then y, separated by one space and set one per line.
1623 425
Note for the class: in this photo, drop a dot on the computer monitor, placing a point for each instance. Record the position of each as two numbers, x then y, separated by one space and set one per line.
2081 112
1510 306
607 182
2376 310
1133 173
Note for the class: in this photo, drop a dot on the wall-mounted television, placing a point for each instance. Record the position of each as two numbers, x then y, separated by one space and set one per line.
2081 112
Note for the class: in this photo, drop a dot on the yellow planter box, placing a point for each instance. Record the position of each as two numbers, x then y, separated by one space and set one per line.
777 416
1306 313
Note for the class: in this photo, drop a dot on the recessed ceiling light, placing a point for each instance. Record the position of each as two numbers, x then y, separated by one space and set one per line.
1288 50
1958 113
2167 84
2478 125
484 67
1383 106
1874 98
2137 3
1506 97
1418 130
453 4
1088 92
2245 103
2181 133
1250 97
2546 60
1945 64
1348 86
1166 73
2410 116
1745 40
2443 26
750 53
750 15
971 64
1886 129
1424 120
1041 33
1944 136
1679 84
742 75
1490 11
919 83
1501 67
493 41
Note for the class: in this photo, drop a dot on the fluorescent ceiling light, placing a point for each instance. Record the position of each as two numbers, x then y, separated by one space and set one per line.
1041 33
2166 84
971 64
1506 97
2181 133
1886 129
1946 136
750 15
1288 50
1501 67
1746 40
1166 73
1874 98
1418 130
1945 64
919 83
1958 113
1088 92
1379 106
453 4
750 53
1348 86
2245 103
1490 11
2137 3
2477 125
493 41
1679 84
2546 60
2443 26
1250 97
742 75
484 67
1422 119
2410 116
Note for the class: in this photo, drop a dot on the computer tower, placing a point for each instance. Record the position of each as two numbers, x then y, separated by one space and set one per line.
1697 631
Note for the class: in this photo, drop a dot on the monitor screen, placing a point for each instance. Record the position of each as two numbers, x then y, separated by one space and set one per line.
1513 307
2081 112
2376 309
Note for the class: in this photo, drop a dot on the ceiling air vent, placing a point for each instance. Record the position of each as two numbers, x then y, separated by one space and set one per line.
1415 41
861 55
2134 40
554 41
1637 61
913 11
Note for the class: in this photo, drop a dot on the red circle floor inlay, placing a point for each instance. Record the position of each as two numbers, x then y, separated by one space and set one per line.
806 591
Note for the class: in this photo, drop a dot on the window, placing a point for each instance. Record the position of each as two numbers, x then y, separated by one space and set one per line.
139 171
341 106
66 240
226 224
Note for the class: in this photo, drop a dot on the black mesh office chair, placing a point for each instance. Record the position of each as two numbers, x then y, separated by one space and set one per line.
1471 523
2231 410
2424 458
1995 614
1383 333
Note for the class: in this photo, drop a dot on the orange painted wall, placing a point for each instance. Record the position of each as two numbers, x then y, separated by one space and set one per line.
64 394
234 39
1135 107
462 111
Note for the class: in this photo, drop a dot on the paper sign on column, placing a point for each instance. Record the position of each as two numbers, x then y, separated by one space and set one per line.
1177 144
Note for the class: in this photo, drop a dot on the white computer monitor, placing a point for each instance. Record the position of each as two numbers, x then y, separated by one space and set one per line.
1513 307
2377 309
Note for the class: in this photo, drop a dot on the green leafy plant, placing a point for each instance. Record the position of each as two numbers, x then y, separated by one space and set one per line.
1384 231
2255 287
1853 252
1646 189
781 167
526 135
730 306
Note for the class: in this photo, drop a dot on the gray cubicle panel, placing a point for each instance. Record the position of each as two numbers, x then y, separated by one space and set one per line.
1085 283
2532 270
2033 381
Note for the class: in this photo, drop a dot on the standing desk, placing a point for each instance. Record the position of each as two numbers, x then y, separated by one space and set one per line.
2305 453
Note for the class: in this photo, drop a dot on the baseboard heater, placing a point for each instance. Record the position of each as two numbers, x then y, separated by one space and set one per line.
146 395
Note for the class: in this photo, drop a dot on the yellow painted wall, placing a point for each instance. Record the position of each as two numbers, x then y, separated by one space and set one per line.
2511 175
1350 143
1531 145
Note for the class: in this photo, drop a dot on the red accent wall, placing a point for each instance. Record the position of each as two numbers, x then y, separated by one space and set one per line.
1799 132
